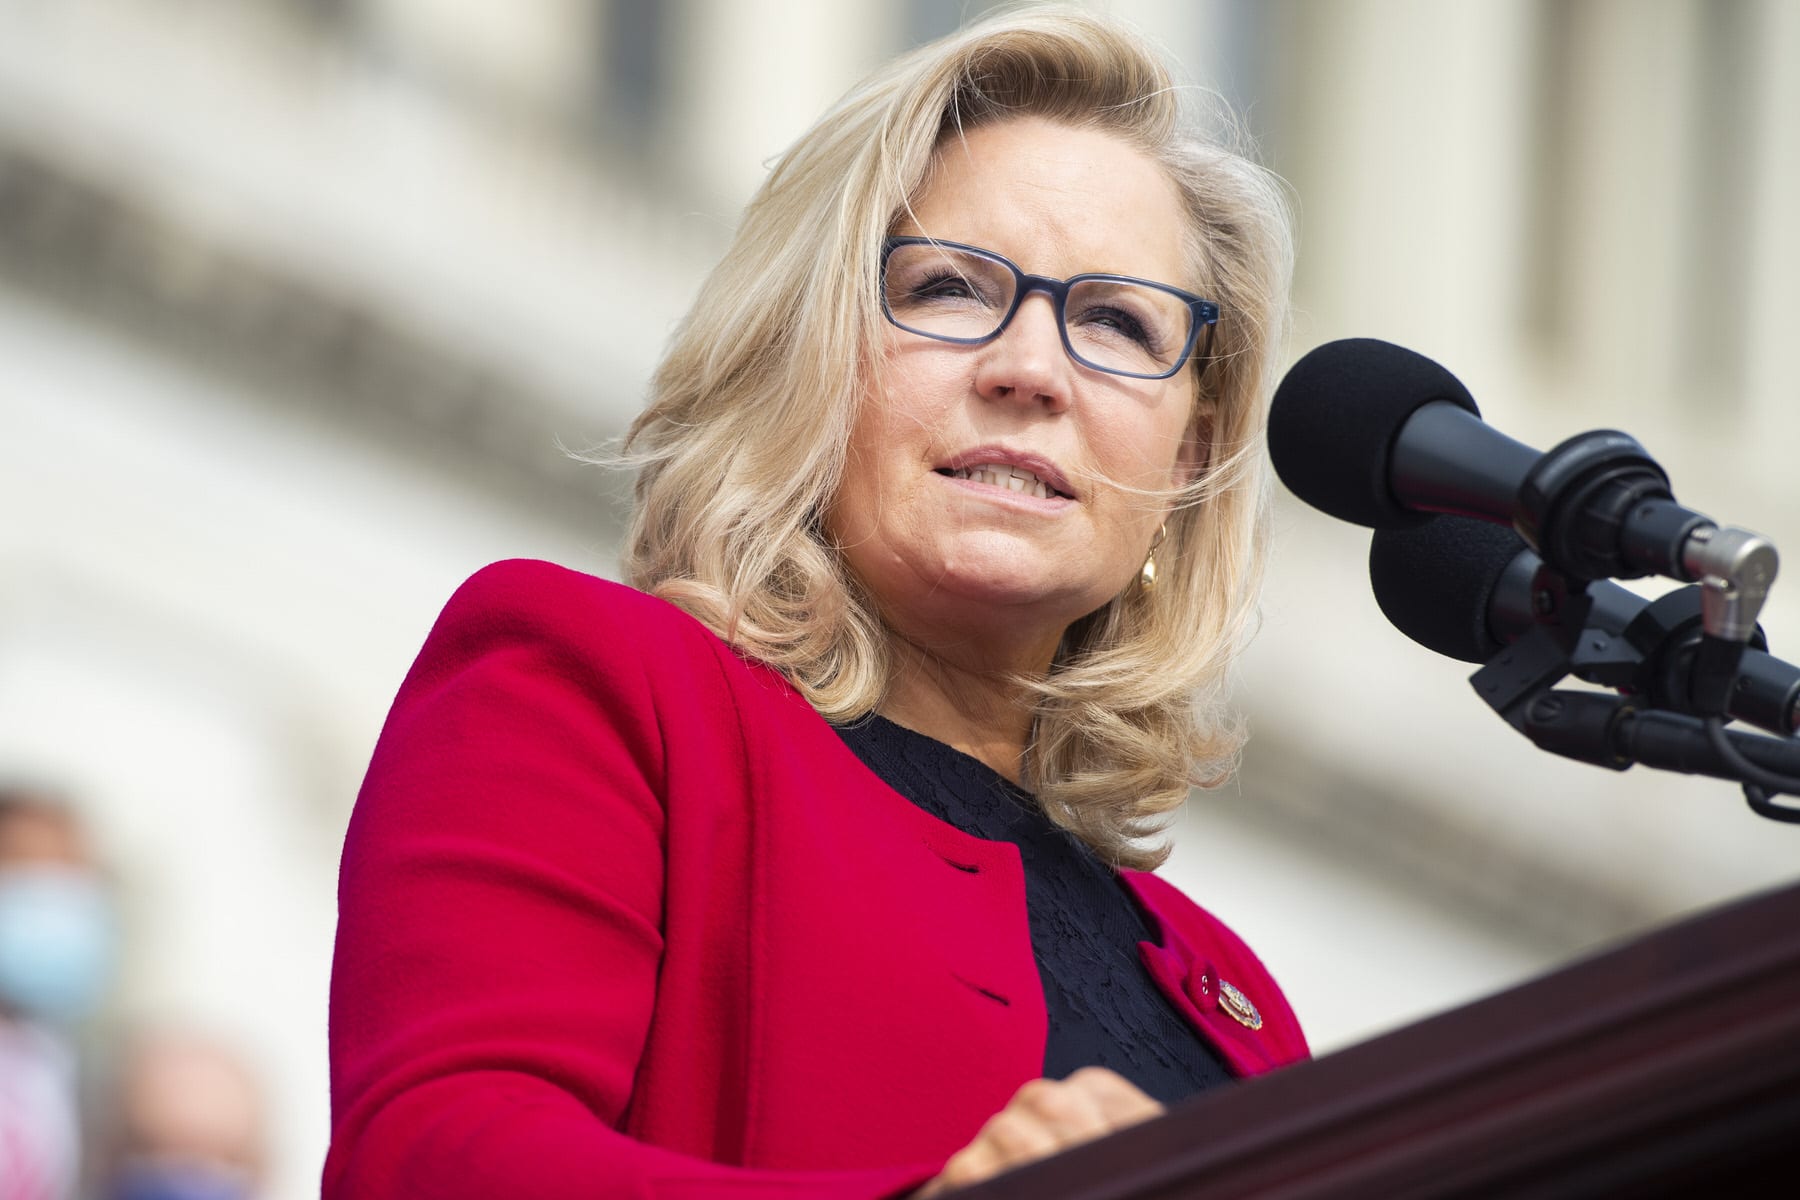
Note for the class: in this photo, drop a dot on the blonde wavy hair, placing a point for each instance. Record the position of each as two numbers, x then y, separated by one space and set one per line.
744 442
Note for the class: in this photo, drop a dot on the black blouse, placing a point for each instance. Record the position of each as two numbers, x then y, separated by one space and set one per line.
1104 1010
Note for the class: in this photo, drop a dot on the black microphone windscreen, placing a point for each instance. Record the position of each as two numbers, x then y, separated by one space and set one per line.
1436 582
1336 416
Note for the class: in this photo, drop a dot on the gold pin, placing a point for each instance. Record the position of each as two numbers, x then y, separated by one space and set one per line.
1239 1006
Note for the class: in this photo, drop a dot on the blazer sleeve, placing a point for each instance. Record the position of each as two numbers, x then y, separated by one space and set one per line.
499 917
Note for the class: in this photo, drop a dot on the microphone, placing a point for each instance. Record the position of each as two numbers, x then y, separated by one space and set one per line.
1467 589
1377 435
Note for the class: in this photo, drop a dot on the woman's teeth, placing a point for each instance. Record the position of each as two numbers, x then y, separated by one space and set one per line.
1013 479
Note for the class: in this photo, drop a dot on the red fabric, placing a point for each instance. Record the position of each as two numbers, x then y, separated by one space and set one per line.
620 915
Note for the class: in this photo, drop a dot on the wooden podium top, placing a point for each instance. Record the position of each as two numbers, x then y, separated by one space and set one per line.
1668 1064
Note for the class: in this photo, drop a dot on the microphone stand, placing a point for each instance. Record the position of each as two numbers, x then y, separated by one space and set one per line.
1614 731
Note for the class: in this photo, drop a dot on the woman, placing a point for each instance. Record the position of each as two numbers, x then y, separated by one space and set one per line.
811 866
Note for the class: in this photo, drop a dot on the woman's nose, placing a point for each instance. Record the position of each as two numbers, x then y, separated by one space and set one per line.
1027 361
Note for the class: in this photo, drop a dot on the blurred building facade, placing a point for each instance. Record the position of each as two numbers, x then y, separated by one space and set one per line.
303 303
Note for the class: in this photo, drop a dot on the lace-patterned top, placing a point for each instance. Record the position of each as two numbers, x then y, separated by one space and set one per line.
1103 1008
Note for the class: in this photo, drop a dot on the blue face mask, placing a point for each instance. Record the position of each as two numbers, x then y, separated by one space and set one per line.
56 941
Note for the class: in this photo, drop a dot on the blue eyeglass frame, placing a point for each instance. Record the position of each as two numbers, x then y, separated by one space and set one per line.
1202 313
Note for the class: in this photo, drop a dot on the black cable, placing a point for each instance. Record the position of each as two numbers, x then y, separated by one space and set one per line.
1760 784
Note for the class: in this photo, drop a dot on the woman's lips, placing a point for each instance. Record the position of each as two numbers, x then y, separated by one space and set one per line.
1016 472
1013 479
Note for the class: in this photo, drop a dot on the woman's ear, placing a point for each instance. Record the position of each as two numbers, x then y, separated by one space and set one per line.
1195 455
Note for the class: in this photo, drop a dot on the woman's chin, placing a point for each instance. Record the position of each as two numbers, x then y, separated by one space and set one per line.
994 587
1026 598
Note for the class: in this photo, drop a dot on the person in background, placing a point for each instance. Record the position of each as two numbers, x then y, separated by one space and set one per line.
817 862
185 1121
57 941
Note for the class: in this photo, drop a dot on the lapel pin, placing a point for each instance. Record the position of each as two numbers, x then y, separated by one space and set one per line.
1239 1006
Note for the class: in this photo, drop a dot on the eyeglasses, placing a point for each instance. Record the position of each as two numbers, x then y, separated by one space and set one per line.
1112 323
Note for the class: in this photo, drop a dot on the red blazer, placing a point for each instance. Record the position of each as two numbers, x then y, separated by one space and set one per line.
619 915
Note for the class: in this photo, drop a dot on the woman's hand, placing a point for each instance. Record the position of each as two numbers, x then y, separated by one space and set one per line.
1044 1117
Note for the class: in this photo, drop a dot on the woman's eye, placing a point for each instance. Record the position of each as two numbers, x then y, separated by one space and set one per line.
1118 322
948 286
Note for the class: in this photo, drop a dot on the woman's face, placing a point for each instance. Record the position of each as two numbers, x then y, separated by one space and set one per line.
949 553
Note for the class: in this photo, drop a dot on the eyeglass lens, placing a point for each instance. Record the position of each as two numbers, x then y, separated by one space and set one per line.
945 292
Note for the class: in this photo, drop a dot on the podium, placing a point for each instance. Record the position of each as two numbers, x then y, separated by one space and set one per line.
1669 1065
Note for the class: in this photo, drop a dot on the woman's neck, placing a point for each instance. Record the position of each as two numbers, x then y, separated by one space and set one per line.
981 712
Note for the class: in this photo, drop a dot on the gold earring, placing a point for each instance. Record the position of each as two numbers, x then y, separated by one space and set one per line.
1147 575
